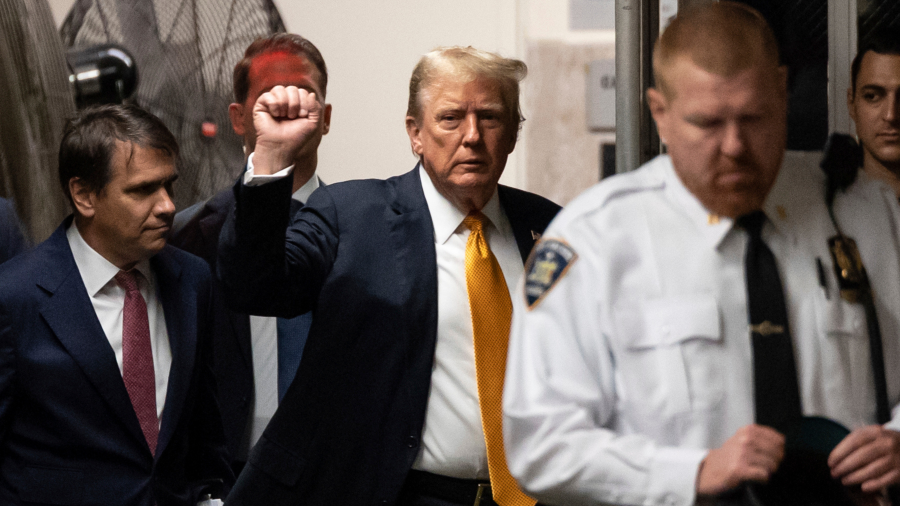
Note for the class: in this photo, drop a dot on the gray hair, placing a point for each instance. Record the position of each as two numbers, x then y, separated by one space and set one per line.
468 64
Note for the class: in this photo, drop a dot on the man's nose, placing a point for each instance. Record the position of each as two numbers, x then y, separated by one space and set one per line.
734 144
892 108
164 204
471 130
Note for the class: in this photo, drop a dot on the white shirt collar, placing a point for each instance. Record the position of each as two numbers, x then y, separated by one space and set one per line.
446 218
302 194
716 228
96 271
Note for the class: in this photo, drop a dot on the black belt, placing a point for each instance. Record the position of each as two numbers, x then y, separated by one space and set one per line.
456 490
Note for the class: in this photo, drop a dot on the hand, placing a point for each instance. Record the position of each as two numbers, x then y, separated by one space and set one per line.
285 119
868 456
753 453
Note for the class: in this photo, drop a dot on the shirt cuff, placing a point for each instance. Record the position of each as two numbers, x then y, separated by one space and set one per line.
251 179
673 474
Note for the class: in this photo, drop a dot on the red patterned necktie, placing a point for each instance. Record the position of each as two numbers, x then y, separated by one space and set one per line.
137 357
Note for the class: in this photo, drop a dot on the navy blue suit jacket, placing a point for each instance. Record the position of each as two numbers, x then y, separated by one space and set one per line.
196 230
11 240
361 256
68 432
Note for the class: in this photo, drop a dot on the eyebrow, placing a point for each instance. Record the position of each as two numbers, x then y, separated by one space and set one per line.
872 87
153 182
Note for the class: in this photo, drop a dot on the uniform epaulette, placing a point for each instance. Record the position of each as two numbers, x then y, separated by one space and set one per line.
651 177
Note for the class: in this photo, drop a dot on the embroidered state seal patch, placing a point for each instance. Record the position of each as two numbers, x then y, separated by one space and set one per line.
548 263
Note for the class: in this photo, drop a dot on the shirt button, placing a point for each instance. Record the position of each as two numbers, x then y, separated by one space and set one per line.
413 441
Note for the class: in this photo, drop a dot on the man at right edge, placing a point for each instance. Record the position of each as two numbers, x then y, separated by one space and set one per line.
680 320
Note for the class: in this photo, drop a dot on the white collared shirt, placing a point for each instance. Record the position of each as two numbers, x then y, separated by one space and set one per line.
264 329
108 299
453 439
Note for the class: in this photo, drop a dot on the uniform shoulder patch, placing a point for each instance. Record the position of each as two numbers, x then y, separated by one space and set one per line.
548 263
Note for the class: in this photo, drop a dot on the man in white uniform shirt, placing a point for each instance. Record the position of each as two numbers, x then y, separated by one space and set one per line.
107 395
649 362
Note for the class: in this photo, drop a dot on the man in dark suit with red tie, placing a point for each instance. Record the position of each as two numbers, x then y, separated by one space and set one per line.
107 395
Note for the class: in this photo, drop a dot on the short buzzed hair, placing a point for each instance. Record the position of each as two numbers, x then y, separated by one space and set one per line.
468 64
722 38
275 43
884 41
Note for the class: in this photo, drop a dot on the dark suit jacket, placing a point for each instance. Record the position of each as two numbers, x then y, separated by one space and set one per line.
196 230
68 432
11 240
361 255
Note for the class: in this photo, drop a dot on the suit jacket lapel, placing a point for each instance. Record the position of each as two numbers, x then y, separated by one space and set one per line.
180 309
518 216
71 316
412 239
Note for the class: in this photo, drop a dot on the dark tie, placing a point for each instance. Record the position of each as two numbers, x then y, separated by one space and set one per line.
137 357
292 334
777 394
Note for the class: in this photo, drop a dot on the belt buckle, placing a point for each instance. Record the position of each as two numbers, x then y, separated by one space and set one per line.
480 493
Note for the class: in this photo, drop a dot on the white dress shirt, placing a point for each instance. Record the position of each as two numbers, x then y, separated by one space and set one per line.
639 360
264 330
108 299
453 439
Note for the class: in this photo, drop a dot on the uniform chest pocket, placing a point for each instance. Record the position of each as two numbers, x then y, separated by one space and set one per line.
669 359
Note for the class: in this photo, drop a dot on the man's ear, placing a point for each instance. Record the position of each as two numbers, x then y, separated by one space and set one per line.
236 113
851 104
326 119
82 197
412 129
659 108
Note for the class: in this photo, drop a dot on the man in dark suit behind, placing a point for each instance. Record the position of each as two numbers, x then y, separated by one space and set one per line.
252 371
386 407
12 242
106 387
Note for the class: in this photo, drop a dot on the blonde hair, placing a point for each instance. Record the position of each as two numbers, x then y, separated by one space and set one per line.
722 38
468 64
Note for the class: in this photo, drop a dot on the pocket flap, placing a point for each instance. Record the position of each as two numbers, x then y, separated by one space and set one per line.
277 461
664 322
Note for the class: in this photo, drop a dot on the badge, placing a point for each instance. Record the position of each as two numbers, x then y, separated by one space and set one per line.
547 264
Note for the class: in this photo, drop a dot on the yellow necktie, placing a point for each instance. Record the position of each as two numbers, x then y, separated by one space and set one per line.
491 317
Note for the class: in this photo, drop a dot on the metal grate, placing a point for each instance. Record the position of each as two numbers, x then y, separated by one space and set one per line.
801 27
185 51
877 14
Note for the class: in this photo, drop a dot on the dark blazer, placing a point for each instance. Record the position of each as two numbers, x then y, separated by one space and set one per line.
196 230
11 240
68 432
361 255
